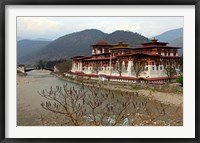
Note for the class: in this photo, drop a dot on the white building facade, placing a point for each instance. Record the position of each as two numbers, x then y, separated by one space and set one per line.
149 60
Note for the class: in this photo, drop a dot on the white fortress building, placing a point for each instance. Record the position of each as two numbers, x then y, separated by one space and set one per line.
150 62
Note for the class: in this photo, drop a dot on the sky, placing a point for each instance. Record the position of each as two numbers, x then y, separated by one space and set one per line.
55 27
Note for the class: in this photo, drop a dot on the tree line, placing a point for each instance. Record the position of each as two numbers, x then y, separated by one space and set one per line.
62 64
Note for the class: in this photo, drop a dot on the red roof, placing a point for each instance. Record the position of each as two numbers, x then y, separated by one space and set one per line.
75 57
98 59
74 73
102 43
126 48
147 54
154 46
132 54
91 75
122 77
159 78
81 57
154 42
107 53
134 78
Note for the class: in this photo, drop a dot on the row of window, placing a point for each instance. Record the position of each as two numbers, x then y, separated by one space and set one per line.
108 68
161 68
157 68
153 68
168 54
101 68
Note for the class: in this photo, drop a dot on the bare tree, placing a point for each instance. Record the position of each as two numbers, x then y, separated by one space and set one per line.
170 71
138 67
65 102
119 67
96 67
90 106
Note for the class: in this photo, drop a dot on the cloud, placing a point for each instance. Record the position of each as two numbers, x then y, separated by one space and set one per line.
54 27
36 26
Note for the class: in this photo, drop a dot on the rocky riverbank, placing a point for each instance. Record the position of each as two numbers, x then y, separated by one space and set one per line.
170 94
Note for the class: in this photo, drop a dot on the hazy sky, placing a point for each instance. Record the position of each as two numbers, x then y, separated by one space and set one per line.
54 27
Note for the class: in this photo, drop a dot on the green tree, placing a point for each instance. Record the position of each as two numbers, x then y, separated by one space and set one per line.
64 66
179 79
42 64
181 65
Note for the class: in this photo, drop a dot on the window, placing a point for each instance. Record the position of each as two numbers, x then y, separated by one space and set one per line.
146 68
157 67
160 68
159 51
153 68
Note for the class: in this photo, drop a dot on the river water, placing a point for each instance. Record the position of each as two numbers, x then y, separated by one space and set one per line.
29 110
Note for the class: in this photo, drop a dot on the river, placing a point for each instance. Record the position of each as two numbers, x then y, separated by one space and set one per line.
30 112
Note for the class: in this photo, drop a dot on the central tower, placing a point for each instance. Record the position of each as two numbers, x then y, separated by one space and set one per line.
101 47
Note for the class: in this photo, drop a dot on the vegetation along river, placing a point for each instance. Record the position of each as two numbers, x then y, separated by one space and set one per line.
31 113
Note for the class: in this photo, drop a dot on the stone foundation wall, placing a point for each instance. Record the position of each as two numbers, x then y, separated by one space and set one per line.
168 87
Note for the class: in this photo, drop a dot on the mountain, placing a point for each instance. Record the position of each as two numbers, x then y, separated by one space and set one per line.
42 39
78 43
131 38
19 38
69 45
27 47
170 35
178 42
173 37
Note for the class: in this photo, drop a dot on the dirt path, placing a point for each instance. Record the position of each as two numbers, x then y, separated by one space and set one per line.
166 98
163 97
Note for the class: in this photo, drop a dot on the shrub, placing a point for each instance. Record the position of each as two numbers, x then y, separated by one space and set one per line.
179 79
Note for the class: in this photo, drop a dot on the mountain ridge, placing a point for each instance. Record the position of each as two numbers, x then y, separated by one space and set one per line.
27 47
78 43
170 35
